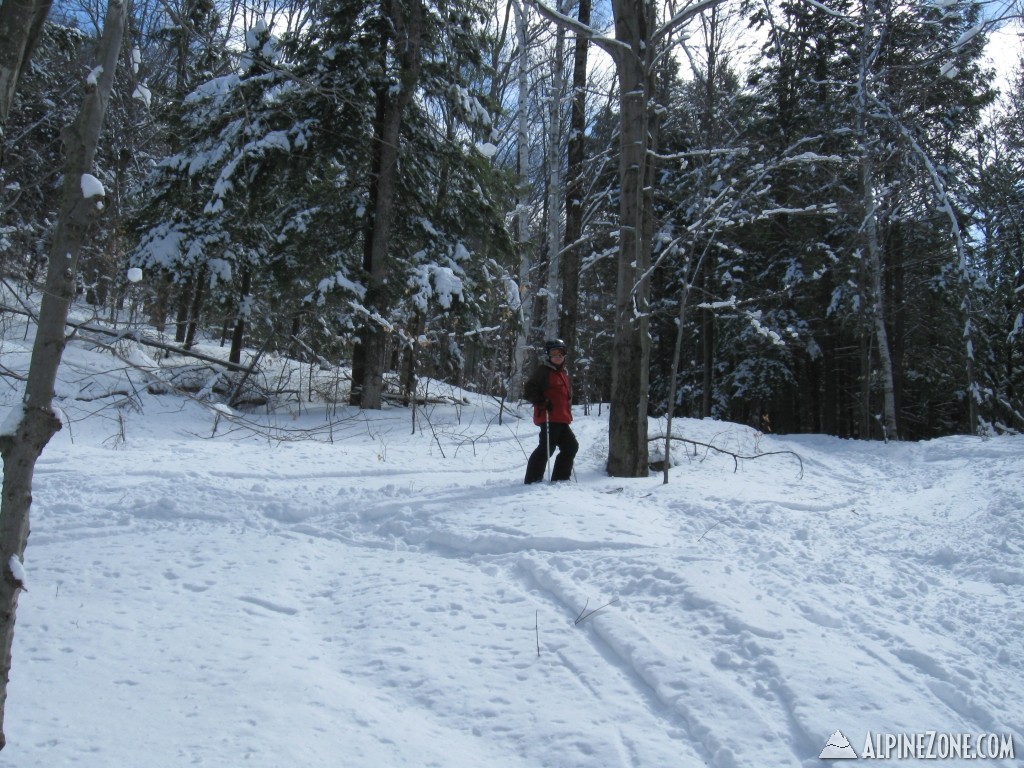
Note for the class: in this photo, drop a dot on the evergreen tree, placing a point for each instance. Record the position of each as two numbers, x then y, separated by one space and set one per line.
999 263
882 104
277 203
417 199
220 212
32 160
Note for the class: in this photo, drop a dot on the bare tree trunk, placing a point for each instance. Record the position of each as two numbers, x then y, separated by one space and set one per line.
634 50
409 378
707 342
238 334
522 210
21 24
712 25
407 31
181 312
38 423
631 349
870 227
555 183
572 257
684 298
865 355
878 311
195 308
965 282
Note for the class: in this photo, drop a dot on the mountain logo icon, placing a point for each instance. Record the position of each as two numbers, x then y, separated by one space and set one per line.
838 748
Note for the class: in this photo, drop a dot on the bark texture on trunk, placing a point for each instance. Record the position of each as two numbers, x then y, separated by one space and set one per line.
876 277
872 242
21 25
572 257
21 448
522 220
627 444
407 30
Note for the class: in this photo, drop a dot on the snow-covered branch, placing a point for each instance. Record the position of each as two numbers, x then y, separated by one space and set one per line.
681 18
611 46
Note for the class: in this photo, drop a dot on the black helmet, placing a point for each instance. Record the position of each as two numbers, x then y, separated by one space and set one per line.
551 344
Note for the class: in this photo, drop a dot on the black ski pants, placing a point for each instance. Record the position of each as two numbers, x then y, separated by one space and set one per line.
565 442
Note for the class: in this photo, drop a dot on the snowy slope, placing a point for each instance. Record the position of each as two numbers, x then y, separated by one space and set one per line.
385 597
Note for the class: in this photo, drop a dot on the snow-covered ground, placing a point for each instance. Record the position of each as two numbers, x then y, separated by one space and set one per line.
379 596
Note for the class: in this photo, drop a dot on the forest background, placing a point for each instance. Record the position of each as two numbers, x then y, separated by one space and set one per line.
801 215
831 214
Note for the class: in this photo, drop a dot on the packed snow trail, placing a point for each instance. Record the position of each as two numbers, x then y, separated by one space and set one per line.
402 599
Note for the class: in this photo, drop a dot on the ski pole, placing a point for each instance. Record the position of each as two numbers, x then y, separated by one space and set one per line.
547 437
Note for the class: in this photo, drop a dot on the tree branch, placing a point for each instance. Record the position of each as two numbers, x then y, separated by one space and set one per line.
137 337
613 47
735 456
681 18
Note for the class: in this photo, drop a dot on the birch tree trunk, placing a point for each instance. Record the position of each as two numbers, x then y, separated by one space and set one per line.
875 273
38 423
872 244
522 206
555 189
963 270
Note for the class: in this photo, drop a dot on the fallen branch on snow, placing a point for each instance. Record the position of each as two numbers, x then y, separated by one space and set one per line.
735 456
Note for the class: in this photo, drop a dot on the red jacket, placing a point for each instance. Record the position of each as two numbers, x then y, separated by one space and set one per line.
550 384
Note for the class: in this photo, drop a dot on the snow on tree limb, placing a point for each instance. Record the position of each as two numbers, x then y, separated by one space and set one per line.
611 46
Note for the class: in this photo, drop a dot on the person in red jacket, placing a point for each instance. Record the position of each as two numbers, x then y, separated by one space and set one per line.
550 392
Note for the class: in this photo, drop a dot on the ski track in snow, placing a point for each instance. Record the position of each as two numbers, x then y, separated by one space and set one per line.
744 615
